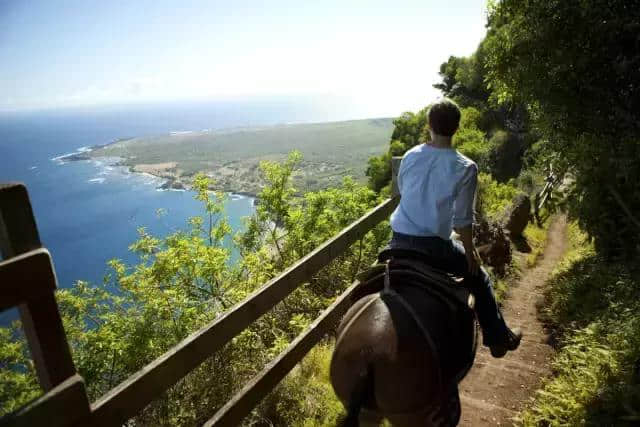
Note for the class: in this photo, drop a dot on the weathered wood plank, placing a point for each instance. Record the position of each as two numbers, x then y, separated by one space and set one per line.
242 403
26 276
19 232
47 340
63 406
40 317
395 168
132 395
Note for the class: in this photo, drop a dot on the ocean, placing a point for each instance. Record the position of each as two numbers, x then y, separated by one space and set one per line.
88 212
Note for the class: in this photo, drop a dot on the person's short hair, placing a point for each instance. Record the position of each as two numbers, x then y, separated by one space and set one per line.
444 117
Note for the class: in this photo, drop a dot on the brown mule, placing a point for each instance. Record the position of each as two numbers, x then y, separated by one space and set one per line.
404 345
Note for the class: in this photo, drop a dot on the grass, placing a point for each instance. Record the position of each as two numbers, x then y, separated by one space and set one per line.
593 307
526 253
536 237
305 396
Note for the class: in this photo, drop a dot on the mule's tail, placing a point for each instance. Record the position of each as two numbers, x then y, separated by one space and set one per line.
362 392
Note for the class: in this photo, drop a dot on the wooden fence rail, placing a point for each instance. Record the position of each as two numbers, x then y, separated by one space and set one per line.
28 280
132 395
66 393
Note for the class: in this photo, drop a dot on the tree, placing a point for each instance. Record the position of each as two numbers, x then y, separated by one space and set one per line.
464 79
574 64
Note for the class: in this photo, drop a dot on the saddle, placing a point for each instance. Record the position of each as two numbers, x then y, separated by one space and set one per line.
440 284
407 276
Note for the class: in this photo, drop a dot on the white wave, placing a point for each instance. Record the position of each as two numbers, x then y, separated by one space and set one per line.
180 132
61 157
146 178
97 180
33 168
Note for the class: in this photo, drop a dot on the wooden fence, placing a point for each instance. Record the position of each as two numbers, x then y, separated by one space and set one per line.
27 280
545 194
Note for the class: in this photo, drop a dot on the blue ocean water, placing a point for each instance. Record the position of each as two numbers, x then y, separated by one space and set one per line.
88 212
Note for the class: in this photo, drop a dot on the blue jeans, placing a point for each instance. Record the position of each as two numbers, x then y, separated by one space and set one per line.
449 255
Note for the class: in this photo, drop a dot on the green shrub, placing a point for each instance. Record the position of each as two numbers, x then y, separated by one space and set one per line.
494 197
471 118
305 397
529 181
184 281
472 143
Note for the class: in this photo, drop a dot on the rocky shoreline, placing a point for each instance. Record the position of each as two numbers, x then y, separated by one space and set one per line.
170 181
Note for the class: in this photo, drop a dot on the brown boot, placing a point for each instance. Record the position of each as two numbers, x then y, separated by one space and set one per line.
509 344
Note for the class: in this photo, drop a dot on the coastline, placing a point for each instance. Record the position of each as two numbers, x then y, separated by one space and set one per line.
232 157
170 182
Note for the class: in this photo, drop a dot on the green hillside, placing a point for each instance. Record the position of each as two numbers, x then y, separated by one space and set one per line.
231 158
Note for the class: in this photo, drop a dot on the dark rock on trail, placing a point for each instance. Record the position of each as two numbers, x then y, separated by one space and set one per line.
518 215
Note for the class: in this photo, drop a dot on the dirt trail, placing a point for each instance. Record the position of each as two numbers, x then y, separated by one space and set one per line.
496 389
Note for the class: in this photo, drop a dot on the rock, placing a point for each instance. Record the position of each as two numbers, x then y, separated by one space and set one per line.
518 215
172 183
178 185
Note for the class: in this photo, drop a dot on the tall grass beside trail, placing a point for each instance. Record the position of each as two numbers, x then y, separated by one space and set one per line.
305 397
536 237
593 307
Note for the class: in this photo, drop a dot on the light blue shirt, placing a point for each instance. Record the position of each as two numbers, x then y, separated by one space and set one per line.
437 188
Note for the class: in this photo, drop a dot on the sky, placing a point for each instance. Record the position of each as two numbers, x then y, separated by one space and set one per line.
384 54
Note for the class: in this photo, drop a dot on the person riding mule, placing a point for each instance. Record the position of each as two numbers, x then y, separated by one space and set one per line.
437 186
410 336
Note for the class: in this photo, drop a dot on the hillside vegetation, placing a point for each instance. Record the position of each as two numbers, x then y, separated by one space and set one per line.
331 151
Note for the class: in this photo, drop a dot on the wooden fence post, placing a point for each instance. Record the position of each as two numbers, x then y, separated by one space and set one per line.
40 316
395 167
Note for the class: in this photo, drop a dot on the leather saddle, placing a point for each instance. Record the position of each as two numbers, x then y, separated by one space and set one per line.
405 271
445 286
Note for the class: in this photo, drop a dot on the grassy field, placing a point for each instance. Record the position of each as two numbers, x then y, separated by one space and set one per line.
330 151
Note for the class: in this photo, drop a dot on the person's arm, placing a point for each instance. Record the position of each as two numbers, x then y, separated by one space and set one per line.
473 259
463 217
